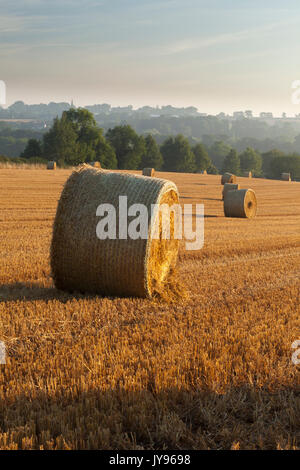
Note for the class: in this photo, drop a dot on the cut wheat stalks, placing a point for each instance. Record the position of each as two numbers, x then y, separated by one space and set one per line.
80 261
240 203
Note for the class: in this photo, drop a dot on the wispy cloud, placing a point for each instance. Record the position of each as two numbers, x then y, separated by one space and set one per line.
196 43
11 24
22 24
66 49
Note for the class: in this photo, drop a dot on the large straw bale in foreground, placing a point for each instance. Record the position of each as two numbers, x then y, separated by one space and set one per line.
229 187
228 178
148 172
80 261
286 176
51 165
240 203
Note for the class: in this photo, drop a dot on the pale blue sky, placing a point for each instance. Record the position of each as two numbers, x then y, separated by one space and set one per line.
217 55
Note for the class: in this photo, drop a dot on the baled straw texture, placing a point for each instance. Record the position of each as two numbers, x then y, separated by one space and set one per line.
286 176
228 178
148 172
240 203
51 165
229 187
80 261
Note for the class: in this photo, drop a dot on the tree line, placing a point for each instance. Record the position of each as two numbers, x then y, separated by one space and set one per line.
257 132
76 138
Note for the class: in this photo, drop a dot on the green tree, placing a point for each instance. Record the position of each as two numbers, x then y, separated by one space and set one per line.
32 149
212 170
286 164
152 158
177 155
60 142
105 153
218 151
92 144
251 161
267 158
128 145
202 160
81 119
76 138
231 163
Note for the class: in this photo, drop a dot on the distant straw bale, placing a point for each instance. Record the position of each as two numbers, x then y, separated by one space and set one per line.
247 174
228 178
80 261
240 203
51 165
286 176
95 164
229 187
148 172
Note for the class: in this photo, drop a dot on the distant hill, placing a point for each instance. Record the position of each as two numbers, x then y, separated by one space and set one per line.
241 130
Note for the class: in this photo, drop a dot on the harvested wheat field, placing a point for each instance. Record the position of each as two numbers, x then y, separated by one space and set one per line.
211 371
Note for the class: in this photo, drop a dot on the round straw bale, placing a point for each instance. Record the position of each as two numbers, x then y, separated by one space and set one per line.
80 261
148 172
51 165
228 178
286 176
95 164
229 187
240 203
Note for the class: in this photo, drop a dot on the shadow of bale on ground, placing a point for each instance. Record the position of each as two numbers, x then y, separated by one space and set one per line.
28 291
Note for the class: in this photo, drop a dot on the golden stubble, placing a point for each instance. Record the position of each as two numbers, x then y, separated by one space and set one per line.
212 370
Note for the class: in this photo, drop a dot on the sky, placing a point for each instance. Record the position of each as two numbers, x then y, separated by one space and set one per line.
217 55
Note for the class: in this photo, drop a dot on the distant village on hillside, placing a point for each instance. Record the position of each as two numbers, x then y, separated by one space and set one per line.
20 110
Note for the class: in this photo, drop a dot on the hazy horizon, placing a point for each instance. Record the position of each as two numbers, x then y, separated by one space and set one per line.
146 104
217 55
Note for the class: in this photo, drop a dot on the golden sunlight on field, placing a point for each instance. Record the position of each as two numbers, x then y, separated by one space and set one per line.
214 371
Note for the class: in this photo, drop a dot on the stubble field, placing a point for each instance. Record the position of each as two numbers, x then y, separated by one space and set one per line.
213 371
